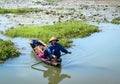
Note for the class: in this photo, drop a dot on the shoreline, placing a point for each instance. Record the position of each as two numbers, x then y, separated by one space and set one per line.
60 11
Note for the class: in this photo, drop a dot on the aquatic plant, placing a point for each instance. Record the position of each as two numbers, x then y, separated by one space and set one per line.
37 2
70 9
116 20
19 10
7 50
63 30
49 0
59 8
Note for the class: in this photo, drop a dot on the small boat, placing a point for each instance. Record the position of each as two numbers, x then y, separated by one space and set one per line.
35 42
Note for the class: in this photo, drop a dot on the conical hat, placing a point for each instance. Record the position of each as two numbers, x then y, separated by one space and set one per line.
53 38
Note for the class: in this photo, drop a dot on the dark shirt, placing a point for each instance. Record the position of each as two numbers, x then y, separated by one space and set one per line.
55 49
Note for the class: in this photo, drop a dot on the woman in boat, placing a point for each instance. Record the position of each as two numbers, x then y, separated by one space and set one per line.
55 48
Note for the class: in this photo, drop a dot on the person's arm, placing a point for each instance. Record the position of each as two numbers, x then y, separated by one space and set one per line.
50 53
63 49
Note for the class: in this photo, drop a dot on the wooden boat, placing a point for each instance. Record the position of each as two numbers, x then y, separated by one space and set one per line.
35 42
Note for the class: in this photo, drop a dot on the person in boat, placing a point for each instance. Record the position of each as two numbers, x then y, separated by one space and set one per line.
55 49
34 42
42 52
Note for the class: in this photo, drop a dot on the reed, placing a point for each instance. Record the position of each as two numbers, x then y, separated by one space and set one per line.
19 10
63 30
7 50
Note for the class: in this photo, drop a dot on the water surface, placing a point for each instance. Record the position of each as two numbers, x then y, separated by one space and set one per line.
94 60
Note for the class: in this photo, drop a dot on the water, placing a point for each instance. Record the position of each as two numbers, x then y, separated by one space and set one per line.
94 60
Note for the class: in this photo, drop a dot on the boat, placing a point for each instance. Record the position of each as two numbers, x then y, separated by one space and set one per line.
36 42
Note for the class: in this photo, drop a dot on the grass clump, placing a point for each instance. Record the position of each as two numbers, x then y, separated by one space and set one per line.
70 8
37 2
59 8
65 8
116 20
19 10
49 0
63 30
7 50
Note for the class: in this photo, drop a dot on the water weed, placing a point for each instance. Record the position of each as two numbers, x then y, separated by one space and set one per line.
19 10
7 50
116 20
63 30
49 0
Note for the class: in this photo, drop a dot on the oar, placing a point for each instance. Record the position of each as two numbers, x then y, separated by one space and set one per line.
66 53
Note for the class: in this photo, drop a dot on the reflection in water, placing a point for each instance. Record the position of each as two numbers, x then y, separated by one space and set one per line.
53 74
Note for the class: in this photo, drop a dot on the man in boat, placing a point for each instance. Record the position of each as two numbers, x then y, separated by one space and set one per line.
55 48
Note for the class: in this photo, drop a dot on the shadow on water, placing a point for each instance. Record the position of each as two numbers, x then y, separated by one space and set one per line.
53 74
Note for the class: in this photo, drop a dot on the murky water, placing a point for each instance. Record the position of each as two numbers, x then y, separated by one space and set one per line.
94 60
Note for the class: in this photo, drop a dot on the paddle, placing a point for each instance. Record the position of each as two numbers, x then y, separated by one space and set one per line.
66 53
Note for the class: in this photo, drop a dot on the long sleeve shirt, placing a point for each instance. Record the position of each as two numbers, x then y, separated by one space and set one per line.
56 49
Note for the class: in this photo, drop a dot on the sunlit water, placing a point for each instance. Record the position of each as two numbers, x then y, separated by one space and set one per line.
94 60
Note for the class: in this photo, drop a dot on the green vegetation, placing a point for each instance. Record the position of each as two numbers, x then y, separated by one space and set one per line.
19 10
49 0
37 2
65 8
70 8
59 8
7 50
116 20
64 31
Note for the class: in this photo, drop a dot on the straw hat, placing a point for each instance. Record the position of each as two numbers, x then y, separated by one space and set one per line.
53 39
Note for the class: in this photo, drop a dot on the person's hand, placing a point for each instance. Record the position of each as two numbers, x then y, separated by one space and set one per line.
69 52
53 56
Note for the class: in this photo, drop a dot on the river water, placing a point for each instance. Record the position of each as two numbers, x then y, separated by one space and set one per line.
94 60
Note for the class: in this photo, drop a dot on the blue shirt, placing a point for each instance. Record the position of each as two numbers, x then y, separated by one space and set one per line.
56 49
